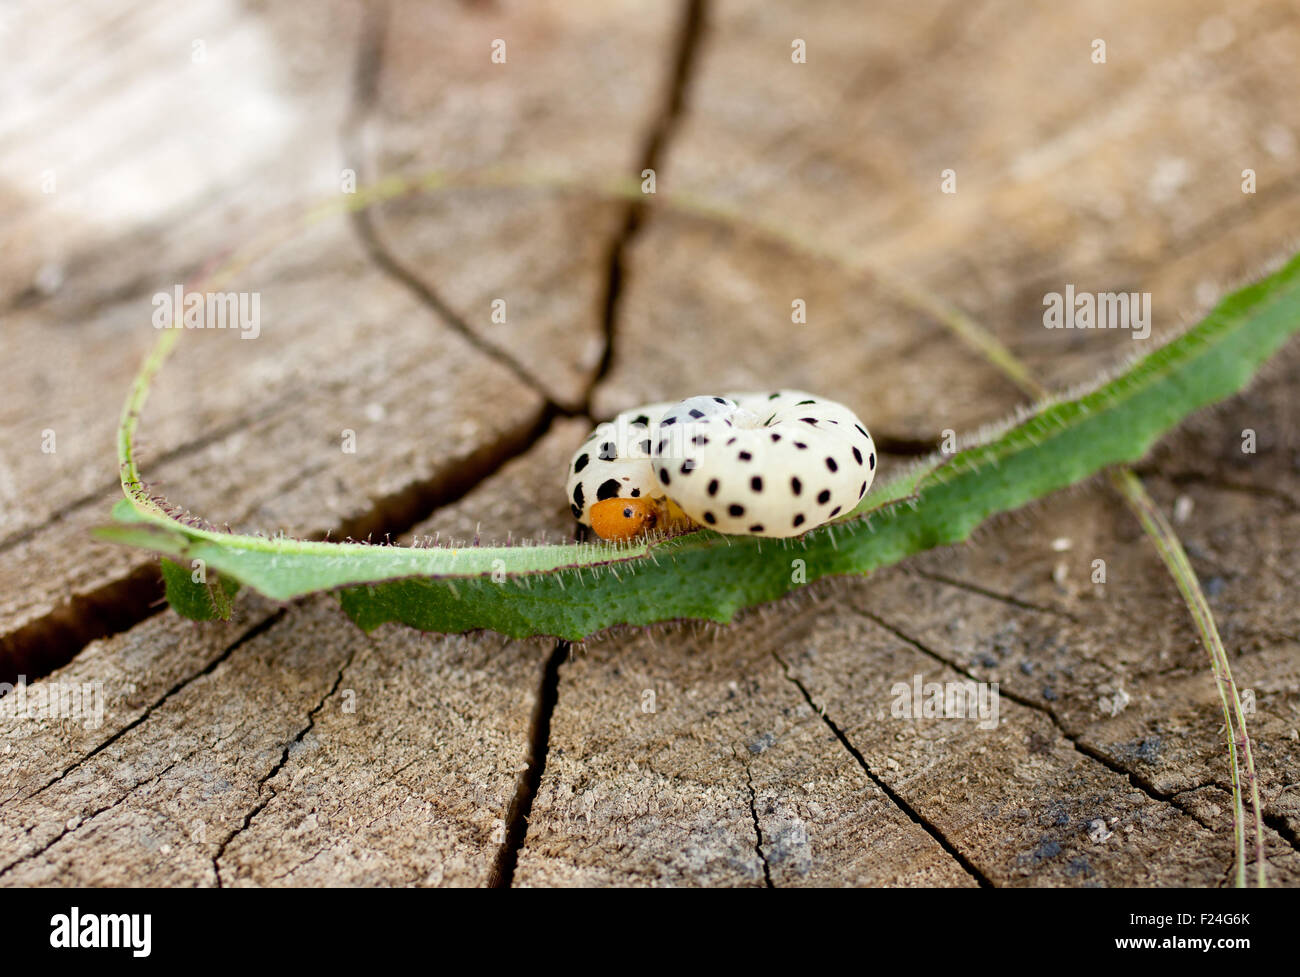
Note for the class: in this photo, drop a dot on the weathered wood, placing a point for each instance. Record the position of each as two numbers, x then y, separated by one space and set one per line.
286 748
687 758
348 345
1031 214
525 272
392 759
410 396
171 135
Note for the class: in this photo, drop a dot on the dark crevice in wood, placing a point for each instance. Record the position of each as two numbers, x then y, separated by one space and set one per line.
279 765
530 780
758 830
686 51
383 258
896 798
52 640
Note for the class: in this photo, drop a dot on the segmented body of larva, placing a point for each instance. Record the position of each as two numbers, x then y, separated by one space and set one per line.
767 464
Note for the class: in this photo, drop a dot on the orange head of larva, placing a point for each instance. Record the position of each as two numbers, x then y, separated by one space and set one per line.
620 519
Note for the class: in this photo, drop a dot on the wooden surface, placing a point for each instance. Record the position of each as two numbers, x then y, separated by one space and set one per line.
286 748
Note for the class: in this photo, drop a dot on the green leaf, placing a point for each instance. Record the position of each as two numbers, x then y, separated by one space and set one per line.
572 591
209 601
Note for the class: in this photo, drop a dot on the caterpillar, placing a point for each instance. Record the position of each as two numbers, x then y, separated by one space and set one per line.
767 464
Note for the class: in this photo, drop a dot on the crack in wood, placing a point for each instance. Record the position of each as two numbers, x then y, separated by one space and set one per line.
758 829
54 639
366 85
894 796
81 822
662 128
1091 752
257 629
530 778
279 765
686 52
973 588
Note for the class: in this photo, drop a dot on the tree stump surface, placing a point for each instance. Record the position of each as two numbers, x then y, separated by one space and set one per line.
286 747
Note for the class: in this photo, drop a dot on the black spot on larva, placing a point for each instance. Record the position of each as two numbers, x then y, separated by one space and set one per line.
773 396
756 483
736 510
728 423
730 442
800 445
636 493
608 452
745 456
719 400
798 519
710 518
640 419
696 413
830 463
802 402
667 420
581 463
608 489
663 443
776 438
713 486
577 495
863 490
832 420
645 445
688 466
871 461
756 528
699 440
835 511
862 430
823 496
663 475
768 421
796 485
809 420
577 513
857 455
627 512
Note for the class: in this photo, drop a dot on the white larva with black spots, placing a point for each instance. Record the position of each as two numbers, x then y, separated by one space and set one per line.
614 462
774 466
769 464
